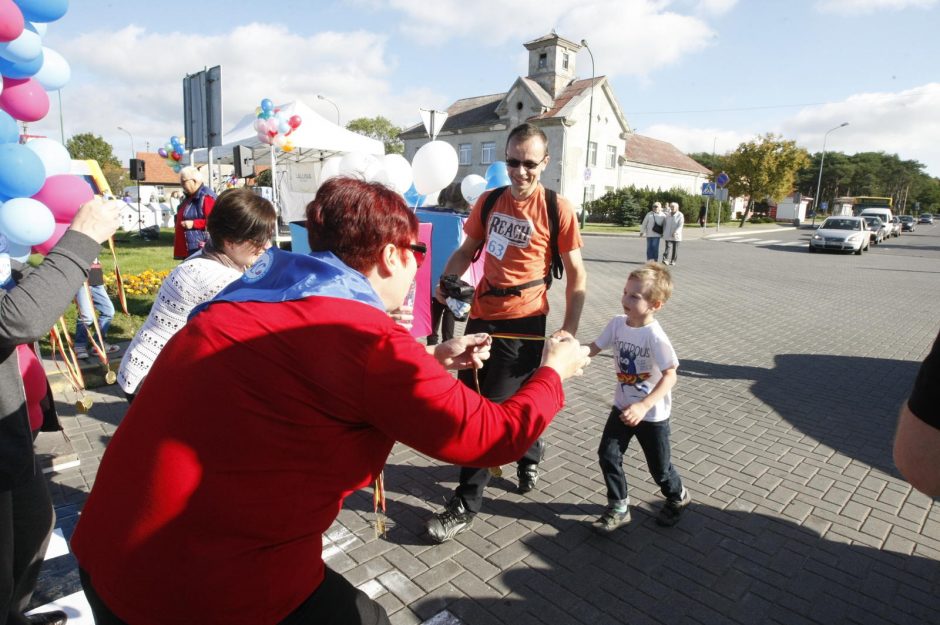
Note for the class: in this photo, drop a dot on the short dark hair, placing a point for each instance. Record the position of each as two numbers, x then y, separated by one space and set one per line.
241 215
353 219
526 131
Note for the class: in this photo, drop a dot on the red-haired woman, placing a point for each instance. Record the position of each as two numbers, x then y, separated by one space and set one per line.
277 400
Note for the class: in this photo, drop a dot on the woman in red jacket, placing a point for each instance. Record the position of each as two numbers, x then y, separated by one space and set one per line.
192 214
277 400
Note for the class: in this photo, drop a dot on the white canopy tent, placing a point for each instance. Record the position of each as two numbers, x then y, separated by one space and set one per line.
296 173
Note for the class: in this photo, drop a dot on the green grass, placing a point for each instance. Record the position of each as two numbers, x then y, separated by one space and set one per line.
134 255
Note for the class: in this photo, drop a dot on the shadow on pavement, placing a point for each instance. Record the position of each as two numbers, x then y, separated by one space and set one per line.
716 566
847 403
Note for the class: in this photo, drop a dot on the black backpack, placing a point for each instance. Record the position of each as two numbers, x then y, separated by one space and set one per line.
557 269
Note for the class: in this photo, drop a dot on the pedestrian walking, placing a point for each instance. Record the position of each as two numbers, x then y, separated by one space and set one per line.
672 233
652 228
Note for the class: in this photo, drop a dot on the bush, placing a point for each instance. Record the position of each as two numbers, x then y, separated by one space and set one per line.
627 206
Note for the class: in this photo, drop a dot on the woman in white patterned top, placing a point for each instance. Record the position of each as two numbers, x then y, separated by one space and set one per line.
240 228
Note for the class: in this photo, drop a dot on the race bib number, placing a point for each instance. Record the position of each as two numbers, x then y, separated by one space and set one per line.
496 245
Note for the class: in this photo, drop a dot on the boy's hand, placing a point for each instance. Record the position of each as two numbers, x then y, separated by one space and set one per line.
634 413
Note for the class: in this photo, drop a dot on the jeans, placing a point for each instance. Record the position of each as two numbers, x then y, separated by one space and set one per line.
673 248
334 602
102 304
511 363
26 522
654 439
652 248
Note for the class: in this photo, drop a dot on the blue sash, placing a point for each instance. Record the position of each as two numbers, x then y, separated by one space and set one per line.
279 276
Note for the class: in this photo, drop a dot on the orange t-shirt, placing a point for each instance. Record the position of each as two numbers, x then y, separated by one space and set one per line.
518 250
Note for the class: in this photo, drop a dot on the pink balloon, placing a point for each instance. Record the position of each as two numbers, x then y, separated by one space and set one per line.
11 21
64 194
43 248
24 99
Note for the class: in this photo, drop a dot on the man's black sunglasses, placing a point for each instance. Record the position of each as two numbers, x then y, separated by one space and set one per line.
513 163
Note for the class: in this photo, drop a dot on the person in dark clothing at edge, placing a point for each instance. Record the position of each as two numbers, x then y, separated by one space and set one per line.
512 298
30 302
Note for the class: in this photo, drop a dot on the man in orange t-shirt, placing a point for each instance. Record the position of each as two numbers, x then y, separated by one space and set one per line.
518 254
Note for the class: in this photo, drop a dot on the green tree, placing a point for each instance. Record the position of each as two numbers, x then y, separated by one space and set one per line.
88 146
117 178
709 160
379 128
764 168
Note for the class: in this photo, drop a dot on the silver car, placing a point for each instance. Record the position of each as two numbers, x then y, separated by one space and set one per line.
844 233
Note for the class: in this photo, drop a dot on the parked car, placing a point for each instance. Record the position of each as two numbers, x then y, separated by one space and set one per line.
926 218
887 217
907 223
876 228
897 225
844 233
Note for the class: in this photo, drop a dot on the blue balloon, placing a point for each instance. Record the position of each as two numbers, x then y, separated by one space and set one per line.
496 169
22 173
9 132
497 175
413 198
22 69
18 252
43 10
25 221
267 105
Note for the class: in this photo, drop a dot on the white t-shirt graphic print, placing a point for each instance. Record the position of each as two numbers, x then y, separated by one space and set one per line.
640 356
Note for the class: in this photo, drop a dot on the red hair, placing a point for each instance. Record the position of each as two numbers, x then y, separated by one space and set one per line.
354 219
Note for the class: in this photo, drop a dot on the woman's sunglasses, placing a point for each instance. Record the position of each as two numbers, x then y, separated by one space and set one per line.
420 250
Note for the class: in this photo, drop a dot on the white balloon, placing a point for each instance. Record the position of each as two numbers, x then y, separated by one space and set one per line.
471 187
397 174
40 28
26 221
434 167
431 199
24 48
355 164
55 72
375 172
53 155
329 168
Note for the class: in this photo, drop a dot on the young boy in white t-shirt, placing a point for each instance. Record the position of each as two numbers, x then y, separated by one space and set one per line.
646 367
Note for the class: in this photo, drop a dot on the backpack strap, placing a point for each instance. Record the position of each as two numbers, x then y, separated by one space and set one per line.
557 268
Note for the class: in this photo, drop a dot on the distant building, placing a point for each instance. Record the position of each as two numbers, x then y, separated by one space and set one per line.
553 98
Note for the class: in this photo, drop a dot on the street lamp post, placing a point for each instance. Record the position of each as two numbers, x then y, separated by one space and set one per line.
134 156
323 97
822 160
587 152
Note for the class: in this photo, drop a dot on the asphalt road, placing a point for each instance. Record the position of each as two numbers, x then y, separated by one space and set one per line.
793 366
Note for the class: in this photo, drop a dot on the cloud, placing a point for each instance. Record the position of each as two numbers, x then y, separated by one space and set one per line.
258 61
903 123
865 7
657 36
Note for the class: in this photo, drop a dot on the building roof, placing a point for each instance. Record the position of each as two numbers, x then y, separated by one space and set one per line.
572 91
649 151
156 171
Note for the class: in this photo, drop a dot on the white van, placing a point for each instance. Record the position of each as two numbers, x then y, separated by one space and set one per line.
893 229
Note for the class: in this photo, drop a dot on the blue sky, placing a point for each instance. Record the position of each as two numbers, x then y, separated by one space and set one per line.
697 73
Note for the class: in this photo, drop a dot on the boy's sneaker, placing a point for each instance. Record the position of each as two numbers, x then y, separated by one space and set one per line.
81 353
611 520
454 519
671 511
110 349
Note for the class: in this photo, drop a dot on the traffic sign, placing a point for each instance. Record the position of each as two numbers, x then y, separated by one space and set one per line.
722 179
587 174
824 205
708 189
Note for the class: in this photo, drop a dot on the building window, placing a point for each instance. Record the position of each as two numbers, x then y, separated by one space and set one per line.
592 153
564 60
488 153
543 60
465 153
589 193
611 156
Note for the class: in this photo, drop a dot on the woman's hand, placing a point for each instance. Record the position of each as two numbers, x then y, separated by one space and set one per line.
465 352
403 315
187 224
565 356
98 219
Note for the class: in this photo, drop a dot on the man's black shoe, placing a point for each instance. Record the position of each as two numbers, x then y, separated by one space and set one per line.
454 519
56 617
528 477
